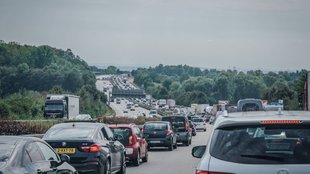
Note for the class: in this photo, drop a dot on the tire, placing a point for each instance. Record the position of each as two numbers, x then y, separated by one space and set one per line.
170 147
123 167
186 143
175 146
136 161
205 130
146 158
107 167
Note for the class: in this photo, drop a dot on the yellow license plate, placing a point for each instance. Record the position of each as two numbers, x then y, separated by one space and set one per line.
65 150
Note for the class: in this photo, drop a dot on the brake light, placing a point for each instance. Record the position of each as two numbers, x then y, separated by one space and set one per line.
92 148
186 126
131 140
281 121
206 172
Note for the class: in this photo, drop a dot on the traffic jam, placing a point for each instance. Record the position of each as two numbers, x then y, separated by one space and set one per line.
240 143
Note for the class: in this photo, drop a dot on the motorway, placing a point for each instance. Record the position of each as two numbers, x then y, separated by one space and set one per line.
179 161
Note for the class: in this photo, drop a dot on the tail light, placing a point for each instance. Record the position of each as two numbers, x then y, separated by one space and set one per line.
92 148
206 172
186 126
132 140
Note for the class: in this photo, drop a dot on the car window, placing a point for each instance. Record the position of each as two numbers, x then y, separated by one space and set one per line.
26 158
108 134
138 132
6 151
71 133
262 144
34 152
124 132
100 136
155 127
47 152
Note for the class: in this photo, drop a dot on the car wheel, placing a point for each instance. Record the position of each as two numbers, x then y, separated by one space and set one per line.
123 167
170 147
107 167
205 130
136 161
146 158
186 143
175 146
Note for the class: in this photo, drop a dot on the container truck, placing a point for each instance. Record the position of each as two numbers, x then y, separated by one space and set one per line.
61 106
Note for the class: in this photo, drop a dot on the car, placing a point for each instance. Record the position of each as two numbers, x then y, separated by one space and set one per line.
134 142
31 155
250 105
118 101
92 147
152 113
160 134
125 110
193 127
132 109
181 127
83 117
199 123
257 142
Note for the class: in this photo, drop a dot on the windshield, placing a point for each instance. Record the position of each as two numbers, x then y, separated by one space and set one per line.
197 120
272 144
177 122
155 127
6 151
54 107
124 132
69 133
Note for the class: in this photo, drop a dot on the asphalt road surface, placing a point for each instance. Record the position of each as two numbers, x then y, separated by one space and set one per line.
179 161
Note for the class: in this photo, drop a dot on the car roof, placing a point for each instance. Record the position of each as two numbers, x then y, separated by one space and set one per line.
78 124
13 140
241 118
121 125
167 122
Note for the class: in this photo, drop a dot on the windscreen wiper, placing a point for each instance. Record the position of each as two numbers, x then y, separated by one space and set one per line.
265 157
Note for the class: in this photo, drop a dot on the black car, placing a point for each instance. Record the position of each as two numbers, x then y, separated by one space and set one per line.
92 147
181 127
31 155
160 134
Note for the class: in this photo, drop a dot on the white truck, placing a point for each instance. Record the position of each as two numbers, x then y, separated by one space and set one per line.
62 106
162 102
171 103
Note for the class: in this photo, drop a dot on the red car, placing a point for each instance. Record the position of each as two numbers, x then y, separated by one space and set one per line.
134 141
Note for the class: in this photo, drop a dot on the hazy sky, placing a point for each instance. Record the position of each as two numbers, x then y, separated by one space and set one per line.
251 34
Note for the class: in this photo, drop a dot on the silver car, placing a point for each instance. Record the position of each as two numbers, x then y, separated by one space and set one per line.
199 123
257 142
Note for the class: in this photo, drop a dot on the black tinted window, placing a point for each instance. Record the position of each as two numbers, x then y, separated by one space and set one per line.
70 133
124 132
155 127
177 122
266 144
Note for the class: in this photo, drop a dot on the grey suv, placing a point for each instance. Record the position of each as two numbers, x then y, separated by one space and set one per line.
257 142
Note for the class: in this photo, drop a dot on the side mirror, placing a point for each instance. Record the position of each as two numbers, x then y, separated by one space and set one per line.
198 151
54 164
64 158
118 137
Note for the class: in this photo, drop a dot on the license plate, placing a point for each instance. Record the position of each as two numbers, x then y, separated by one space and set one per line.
155 141
65 150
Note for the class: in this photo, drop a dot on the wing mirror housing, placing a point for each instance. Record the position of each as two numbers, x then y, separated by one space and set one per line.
198 151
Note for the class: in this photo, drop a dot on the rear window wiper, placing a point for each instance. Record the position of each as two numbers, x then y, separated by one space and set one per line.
265 157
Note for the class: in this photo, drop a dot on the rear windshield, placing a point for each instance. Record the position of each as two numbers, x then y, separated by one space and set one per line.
124 132
155 127
268 144
197 120
177 122
5 151
69 133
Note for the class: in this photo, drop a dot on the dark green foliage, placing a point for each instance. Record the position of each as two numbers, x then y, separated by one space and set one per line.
191 85
25 68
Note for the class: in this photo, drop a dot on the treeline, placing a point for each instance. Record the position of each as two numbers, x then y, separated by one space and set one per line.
108 70
28 73
192 85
